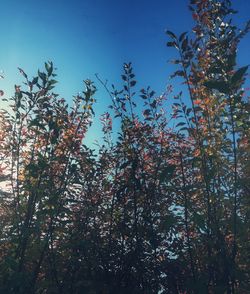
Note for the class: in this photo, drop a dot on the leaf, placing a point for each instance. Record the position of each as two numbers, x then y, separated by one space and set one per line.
146 112
179 73
176 104
132 83
231 60
197 108
49 68
153 104
184 129
36 122
171 34
199 220
52 82
124 78
182 36
143 96
237 77
42 76
175 61
35 80
184 44
188 111
22 72
166 173
239 123
125 164
197 101
221 86
180 124
151 94
172 44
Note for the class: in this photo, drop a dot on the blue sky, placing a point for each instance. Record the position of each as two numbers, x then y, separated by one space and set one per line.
84 37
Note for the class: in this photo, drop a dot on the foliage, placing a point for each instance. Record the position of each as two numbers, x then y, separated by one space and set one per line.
163 209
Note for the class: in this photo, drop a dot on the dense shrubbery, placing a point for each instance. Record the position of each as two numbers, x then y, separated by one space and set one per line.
163 209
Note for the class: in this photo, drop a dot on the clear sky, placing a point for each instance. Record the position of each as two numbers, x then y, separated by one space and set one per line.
84 37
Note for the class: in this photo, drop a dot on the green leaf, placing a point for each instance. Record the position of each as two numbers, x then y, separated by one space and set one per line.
172 44
42 76
47 66
171 34
124 78
22 72
35 80
151 94
189 110
231 60
182 36
184 44
221 86
146 112
180 124
179 73
239 123
132 83
237 77
50 70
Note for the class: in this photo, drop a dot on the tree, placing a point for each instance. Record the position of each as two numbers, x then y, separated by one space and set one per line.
162 209
218 117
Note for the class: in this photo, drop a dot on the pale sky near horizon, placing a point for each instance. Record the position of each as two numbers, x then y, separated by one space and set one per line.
84 37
